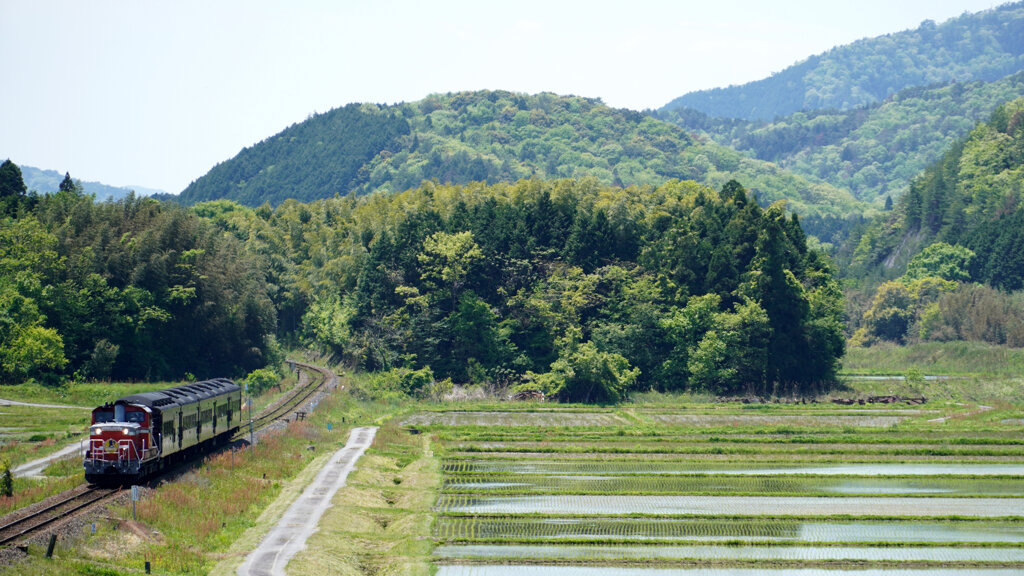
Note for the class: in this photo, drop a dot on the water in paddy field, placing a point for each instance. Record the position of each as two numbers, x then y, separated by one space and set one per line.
723 484
712 530
803 553
731 505
513 570
654 467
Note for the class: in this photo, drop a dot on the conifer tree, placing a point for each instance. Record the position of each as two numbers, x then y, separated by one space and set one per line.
67 184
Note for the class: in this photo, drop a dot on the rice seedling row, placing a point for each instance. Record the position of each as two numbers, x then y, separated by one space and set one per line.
652 467
512 528
744 459
1016 451
1001 437
798 553
731 484
730 505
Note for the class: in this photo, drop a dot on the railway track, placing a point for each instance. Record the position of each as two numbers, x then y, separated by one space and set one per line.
67 504
84 496
322 378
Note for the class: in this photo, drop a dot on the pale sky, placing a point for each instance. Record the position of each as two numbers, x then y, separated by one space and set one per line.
143 93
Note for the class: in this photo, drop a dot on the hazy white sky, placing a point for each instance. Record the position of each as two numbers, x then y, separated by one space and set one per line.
134 92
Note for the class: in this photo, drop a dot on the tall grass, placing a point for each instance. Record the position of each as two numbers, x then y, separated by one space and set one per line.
938 358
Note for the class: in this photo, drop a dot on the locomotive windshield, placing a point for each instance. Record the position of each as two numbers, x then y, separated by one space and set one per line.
136 417
101 416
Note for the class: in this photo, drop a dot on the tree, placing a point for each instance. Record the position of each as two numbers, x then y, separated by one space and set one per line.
12 187
582 373
67 184
447 260
11 182
261 380
941 260
774 286
27 261
686 328
474 334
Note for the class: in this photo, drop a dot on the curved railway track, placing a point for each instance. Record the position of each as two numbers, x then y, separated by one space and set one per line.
73 501
323 378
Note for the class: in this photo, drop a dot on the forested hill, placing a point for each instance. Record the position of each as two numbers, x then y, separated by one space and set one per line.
583 291
972 198
47 181
491 136
873 151
986 45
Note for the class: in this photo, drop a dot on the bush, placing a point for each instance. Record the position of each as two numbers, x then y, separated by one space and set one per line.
262 380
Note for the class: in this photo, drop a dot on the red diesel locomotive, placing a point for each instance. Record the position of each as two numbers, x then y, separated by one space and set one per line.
140 434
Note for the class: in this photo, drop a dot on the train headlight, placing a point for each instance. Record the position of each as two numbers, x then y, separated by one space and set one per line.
125 431
95 431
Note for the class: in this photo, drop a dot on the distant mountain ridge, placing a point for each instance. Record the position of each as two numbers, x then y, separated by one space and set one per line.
984 46
48 181
873 151
491 136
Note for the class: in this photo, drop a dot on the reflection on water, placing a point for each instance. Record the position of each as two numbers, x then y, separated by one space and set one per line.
731 505
898 554
513 570
653 467
707 530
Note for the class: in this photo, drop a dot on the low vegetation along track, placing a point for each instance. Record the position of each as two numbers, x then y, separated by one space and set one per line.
25 523
61 508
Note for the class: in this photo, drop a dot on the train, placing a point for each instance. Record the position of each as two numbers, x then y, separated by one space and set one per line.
139 435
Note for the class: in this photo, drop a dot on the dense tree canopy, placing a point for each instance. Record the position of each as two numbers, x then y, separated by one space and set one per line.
132 289
971 198
983 46
582 290
491 136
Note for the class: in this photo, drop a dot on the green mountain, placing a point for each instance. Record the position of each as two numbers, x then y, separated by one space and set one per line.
492 136
983 46
48 181
972 197
873 151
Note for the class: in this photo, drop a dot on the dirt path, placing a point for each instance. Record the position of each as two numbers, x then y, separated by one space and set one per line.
980 408
4 402
36 467
299 522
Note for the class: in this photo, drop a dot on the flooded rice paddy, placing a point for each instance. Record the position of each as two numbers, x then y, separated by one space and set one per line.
732 484
778 468
811 553
782 491
526 570
730 505
707 530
